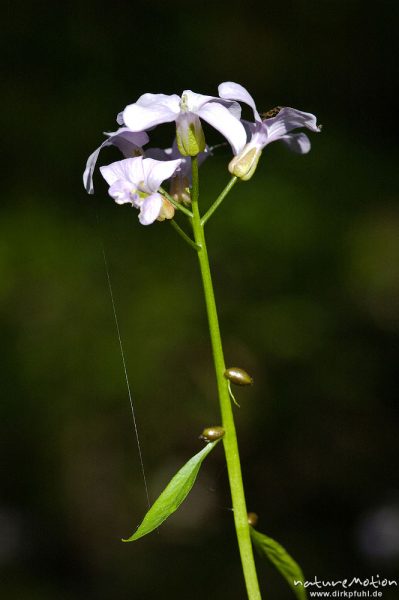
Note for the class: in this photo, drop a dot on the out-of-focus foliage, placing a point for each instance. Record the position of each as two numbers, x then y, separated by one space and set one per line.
305 262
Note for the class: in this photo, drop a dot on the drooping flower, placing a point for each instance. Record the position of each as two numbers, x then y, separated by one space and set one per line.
136 181
263 132
129 143
186 111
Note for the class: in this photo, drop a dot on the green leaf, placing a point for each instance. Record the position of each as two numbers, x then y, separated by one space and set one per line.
173 495
283 562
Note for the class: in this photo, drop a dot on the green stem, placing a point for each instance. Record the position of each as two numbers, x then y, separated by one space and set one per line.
218 200
183 234
230 437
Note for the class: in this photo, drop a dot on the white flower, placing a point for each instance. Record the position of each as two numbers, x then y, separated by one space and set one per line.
136 181
186 111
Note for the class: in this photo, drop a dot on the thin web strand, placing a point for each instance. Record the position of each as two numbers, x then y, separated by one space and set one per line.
125 369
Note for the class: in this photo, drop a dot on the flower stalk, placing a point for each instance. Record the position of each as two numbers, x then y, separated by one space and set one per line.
230 438
184 235
218 200
137 180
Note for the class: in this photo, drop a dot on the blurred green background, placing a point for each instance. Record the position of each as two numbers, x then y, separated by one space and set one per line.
305 261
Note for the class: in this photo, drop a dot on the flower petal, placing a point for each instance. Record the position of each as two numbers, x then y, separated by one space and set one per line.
156 171
128 142
150 209
116 171
173 153
152 100
122 191
297 142
195 101
151 110
221 119
232 105
234 91
287 120
123 138
159 153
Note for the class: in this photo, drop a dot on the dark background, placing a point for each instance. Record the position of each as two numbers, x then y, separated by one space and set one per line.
305 261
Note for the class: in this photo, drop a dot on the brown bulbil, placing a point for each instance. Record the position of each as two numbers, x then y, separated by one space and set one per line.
211 434
252 519
238 376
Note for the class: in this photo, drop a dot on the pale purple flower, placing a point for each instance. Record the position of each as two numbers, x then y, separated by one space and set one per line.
136 181
153 109
263 132
129 143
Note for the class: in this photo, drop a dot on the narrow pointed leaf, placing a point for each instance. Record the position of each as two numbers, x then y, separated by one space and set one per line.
283 562
173 495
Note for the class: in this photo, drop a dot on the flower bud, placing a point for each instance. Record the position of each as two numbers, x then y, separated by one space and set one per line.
244 164
167 210
252 519
189 134
180 189
211 434
238 376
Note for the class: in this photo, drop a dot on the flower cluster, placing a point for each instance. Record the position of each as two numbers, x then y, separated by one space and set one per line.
137 179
